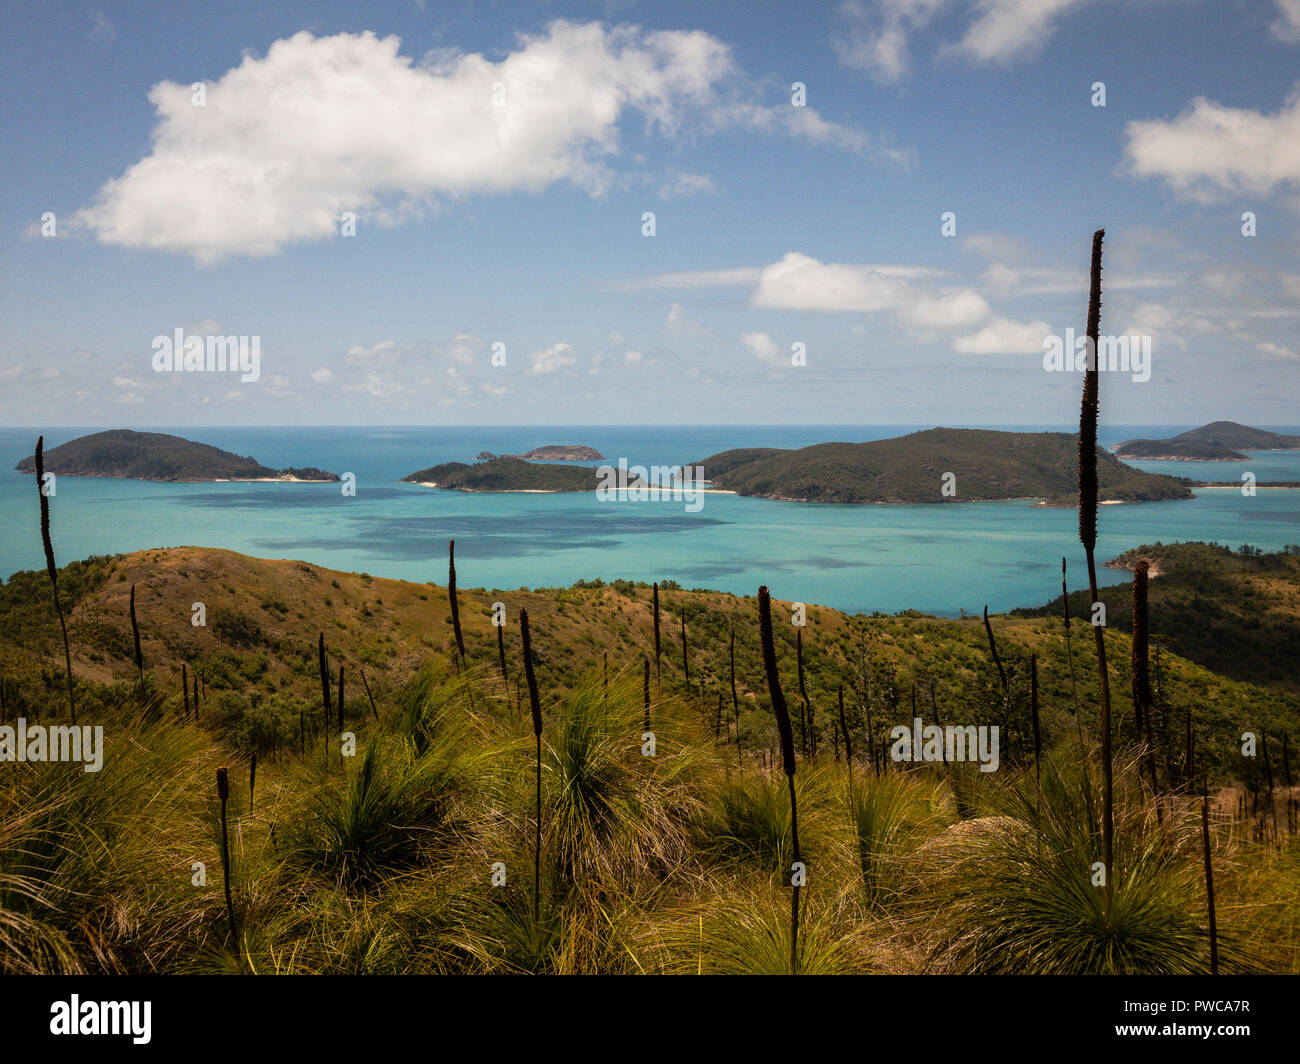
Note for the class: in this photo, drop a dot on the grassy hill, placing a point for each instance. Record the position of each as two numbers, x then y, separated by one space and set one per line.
1236 613
909 469
257 652
156 456
370 846
1219 441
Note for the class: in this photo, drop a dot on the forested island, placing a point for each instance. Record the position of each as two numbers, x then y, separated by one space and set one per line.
985 465
158 456
506 474
1219 441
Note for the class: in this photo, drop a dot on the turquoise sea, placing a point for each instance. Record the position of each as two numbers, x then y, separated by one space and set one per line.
940 559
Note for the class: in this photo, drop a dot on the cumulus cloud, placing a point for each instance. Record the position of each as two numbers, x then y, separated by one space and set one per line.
1002 336
764 348
322 375
551 359
287 142
1210 151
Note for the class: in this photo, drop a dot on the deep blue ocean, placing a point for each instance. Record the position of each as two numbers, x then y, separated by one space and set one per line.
939 559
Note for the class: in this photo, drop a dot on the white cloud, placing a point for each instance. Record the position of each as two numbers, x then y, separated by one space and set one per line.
953 308
631 358
288 141
1210 151
1008 29
322 375
1279 351
678 324
880 44
1002 336
878 37
800 282
764 348
683 185
360 353
551 359
1287 26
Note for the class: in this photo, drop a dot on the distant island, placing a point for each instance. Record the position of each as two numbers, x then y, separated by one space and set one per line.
988 465
158 456
553 452
506 474
1219 441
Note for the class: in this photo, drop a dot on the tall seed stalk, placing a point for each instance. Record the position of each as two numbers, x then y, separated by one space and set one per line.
501 658
135 639
1209 874
223 793
369 697
1143 703
535 702
645 692
735 702
787 754
993 649
185 690
1088 537
324 690
655 594
1033 713
52 569
455 606
686 661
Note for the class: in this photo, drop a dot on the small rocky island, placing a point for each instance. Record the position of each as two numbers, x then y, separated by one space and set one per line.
158 456
1219 441
553 452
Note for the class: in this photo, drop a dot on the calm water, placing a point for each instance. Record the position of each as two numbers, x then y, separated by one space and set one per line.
936 558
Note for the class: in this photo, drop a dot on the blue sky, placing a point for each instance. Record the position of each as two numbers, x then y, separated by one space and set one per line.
499 161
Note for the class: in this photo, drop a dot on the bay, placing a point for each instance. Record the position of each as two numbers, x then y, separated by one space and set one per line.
939 559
